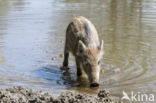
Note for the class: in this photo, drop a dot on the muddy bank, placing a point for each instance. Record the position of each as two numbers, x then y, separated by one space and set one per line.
20 94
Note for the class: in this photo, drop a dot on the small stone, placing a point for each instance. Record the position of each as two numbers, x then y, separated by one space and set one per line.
51 46
53 58
61 41
61 55
117 70
102 70
110 29
62 67
103 94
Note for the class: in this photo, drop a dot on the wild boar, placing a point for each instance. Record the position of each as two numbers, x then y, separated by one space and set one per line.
83 42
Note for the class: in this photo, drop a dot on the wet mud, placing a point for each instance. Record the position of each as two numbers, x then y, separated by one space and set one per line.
20 94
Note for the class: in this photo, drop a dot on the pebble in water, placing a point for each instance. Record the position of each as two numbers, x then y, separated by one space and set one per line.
53 58
116 70
61 55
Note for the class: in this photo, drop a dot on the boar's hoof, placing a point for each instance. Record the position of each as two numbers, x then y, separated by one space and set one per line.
94 85
64 68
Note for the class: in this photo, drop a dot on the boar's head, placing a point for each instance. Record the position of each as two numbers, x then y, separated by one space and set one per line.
90 59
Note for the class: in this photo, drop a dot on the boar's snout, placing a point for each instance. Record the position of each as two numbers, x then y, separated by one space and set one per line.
94 81
94 84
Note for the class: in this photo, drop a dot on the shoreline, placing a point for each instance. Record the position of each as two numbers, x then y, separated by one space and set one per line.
19 94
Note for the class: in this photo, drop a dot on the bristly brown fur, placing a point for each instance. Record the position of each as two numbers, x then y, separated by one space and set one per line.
83 42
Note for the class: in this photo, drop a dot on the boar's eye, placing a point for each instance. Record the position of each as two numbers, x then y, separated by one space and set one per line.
81 51
99 62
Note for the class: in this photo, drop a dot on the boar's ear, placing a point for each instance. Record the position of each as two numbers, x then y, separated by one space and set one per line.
81 47
101 46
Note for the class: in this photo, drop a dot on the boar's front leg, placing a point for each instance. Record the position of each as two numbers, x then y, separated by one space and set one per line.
79 72
66 55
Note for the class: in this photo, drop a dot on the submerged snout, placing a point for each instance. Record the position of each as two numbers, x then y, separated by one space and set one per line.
94 81
93 73
94 84
94 78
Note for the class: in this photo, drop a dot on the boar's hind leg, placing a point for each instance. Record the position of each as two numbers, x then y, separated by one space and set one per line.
79 72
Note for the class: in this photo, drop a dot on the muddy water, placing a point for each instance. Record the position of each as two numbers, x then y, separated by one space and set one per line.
32 38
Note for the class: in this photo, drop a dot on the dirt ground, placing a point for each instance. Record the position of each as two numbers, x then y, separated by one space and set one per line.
20 94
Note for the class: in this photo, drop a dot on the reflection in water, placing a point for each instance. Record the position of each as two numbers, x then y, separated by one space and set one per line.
32 32
54 75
